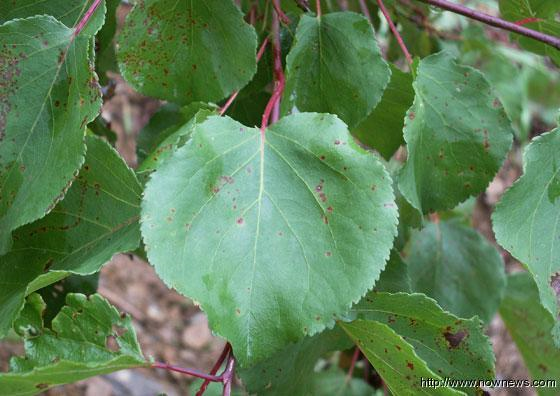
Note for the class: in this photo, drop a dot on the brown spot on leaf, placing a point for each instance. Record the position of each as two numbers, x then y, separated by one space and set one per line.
42 386
240 220
410 365
454 339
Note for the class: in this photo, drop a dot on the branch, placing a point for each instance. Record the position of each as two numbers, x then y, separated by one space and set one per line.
396 34
495 21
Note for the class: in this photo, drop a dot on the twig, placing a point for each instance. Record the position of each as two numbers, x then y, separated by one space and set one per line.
85 19
304 5
396 34
495 21
194 373
234 95
215 368
280 80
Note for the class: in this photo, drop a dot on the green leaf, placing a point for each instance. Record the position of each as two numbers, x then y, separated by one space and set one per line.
258 230
97 218
394 359
88 337
292 370
458 267
69 12
174 136
529 324
185 51
335 382
544 11
452 347
46 100
335 66
526 219
395 277
457 135
382 129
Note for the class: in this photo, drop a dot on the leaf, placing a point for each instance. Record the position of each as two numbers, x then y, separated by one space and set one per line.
382 129
106 57
395 277
69 12
526 219
450 346
335 66
174 136
46 100
88 337
185 51
530 324
292 370
260 231
544 12
335 382
97 218
458 267
457 135
393 358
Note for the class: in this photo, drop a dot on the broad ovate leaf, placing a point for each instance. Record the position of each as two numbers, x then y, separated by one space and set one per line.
274 234
382 130
185 51
394 359
529 324
458 267
457 135
97 218
48 94
526 220
88 337
335 66
451 346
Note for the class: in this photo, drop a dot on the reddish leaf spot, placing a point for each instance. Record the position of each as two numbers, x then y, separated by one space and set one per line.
240 220
330 209
322 158
328 254
454 339
411 116
337 142
409 365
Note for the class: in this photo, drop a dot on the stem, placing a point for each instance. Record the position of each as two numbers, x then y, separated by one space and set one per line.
528 20
87 16
318 8
227 375
194 373
280 13
352 364
234 95
280 80
396 34
215 368
495 21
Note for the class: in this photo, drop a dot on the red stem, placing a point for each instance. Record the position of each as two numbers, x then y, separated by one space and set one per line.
283 17
318 7
85 19
194 373
215 368
280 80
495 21
365 11
395 33
355 357
527 20
228 375
226 106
